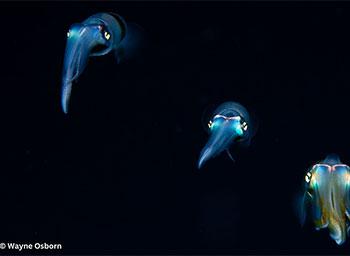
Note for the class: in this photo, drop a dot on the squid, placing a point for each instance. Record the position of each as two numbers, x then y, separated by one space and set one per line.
326 194
230 123
98 35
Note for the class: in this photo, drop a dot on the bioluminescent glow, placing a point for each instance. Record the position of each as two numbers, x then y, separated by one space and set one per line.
326 193
107 31
230 123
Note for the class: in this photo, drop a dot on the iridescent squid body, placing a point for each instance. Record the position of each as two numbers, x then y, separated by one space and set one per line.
327 194
230 123
98 35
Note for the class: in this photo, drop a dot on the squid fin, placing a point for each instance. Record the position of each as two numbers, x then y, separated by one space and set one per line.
302 203
132 44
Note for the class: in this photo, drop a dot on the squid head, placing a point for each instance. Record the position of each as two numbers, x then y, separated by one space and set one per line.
98 35
230 123
326 194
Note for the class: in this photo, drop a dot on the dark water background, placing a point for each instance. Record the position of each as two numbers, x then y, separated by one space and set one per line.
118 174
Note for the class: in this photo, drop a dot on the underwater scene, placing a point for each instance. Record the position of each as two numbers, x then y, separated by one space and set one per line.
175 128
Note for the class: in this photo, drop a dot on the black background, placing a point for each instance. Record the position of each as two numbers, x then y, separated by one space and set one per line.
118 173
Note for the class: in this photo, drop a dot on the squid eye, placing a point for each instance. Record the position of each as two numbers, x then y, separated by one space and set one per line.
68 34
244 126
213 124
107 35
308 177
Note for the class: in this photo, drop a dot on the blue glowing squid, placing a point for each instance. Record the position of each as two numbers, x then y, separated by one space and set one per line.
326 193
98 35
230 123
